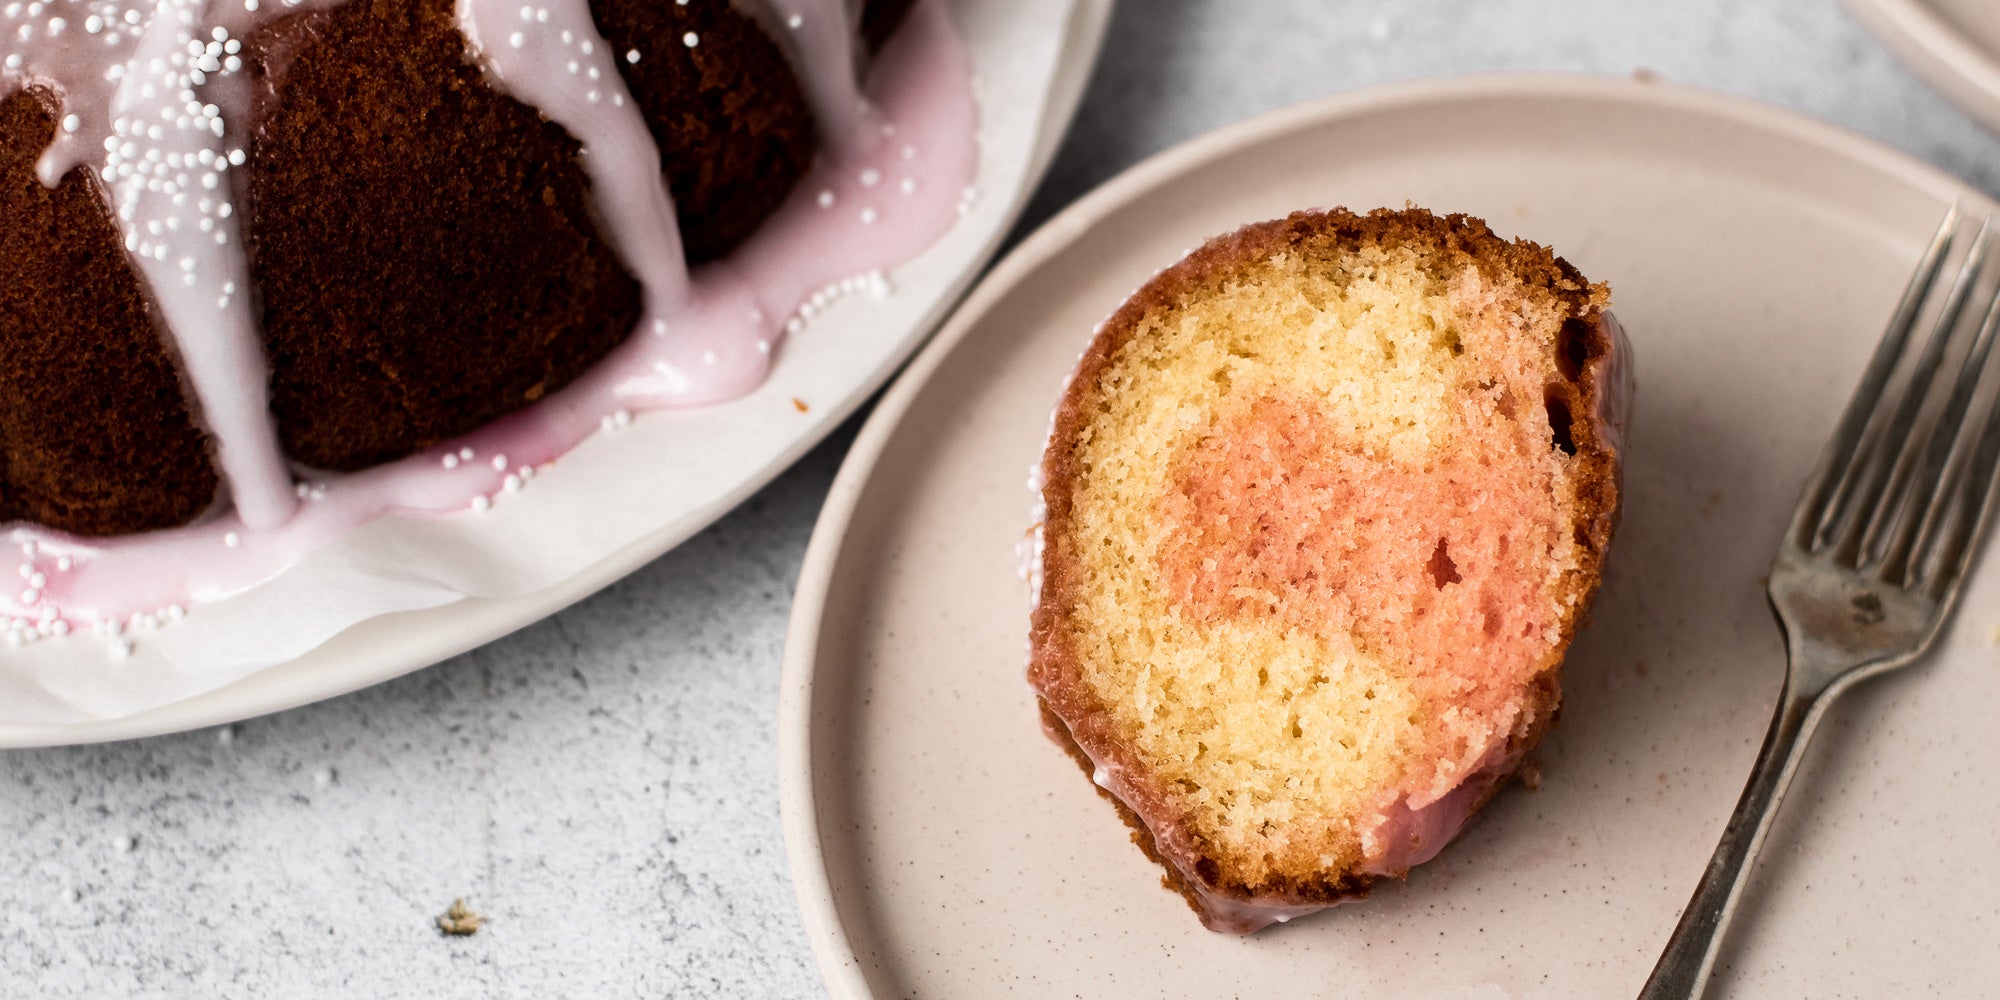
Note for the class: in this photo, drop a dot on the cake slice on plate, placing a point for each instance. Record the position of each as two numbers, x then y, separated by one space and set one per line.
1325 503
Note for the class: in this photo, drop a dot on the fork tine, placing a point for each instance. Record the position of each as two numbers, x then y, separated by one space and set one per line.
1930 496
1821 490
1883 458
1970 497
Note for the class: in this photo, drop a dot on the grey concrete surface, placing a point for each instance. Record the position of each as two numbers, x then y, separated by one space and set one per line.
603 784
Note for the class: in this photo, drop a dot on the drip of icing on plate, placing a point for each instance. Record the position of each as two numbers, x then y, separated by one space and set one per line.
148 94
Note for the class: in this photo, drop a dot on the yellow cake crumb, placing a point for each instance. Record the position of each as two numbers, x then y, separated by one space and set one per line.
459 920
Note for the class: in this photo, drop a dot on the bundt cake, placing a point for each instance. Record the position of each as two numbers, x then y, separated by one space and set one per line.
238 237
1323 504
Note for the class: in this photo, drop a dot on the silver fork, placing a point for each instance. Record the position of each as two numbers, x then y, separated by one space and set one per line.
1875 557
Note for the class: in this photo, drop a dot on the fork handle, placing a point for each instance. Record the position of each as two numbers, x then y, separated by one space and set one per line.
1690 954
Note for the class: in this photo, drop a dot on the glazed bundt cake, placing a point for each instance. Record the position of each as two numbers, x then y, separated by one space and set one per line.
1324 503
238 235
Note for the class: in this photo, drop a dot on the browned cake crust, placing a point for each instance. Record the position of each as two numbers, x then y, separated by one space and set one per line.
1332 890
421 243
732 125
1586 415
95 434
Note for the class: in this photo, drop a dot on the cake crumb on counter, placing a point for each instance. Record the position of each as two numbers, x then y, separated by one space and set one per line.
459 920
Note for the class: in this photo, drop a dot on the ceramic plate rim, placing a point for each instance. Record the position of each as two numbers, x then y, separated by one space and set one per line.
1928 46
455 628
833 947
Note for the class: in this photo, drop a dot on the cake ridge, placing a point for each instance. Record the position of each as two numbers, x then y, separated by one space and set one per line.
163 161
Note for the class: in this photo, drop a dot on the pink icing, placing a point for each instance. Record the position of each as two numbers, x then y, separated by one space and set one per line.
864 209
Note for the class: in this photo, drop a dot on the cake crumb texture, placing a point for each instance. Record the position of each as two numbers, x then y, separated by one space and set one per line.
732 125
1321 519
96 437
422 244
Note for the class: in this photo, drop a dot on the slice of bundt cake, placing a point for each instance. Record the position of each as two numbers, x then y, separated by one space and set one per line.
1325 502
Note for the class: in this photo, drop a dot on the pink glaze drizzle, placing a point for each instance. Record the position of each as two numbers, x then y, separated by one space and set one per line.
865 208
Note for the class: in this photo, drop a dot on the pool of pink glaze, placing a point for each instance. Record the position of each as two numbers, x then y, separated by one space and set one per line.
855 216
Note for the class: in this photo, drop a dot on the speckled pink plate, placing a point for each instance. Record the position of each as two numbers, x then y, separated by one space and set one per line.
1953 44
943 847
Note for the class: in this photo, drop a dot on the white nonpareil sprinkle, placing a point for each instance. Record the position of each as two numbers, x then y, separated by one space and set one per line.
690 39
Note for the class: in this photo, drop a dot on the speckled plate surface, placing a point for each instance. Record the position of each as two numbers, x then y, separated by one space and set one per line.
1953 44
719 466
943 847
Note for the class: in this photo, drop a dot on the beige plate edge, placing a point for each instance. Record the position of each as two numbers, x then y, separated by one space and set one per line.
1931 48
